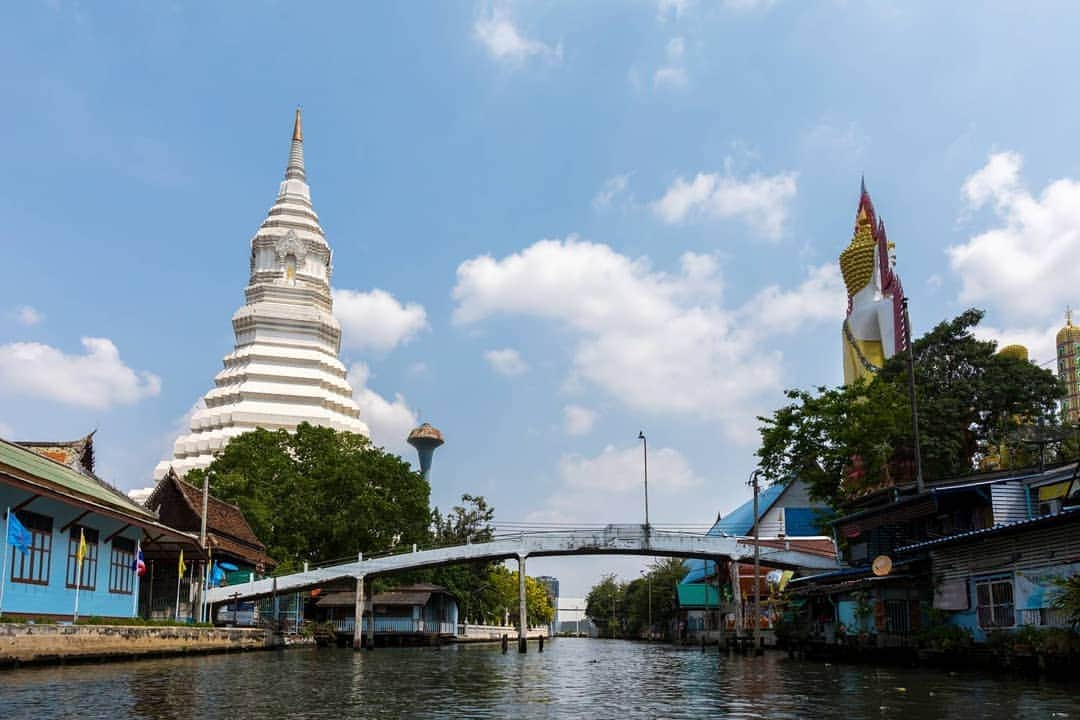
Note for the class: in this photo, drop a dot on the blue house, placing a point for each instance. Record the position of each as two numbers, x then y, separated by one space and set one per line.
783 511
52 490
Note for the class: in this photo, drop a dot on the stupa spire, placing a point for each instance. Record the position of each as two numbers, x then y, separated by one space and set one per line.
295 169
284 369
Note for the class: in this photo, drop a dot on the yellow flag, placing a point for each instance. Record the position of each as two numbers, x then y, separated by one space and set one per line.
183 567
784 578
81 552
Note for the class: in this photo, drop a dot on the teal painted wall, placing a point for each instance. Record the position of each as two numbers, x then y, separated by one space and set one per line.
55 598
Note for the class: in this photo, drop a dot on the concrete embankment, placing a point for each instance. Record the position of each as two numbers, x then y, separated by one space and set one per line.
24 644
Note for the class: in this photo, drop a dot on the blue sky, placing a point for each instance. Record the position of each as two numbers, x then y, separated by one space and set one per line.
585 219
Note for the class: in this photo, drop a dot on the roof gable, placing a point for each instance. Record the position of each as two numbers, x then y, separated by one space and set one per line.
89 487
181 503
740 521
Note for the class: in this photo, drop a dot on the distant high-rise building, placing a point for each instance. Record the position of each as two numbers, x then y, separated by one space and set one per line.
551 585
284 369
1068 350
425 439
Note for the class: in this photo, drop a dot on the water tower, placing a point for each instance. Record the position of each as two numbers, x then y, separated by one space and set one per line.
425 439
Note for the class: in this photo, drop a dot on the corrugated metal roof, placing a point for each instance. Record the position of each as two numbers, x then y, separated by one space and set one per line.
42 468
1071 513
740 521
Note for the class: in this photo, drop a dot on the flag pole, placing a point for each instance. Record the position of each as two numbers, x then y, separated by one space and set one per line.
78 584
179 577
135 594
3 572
78 575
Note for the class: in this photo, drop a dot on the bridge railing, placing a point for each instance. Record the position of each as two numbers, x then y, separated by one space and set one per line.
628 530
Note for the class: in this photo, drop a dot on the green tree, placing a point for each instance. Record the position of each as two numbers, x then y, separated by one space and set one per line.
605 606
844 440
470 583
659 583
502 596
318 494
1067 598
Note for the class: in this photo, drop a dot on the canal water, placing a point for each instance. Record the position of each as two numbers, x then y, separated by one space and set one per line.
572 678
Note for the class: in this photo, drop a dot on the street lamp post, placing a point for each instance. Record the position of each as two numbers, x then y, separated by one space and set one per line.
645 457
911 394
645 460
757 563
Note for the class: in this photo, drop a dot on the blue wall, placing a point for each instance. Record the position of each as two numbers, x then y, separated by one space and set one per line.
55 598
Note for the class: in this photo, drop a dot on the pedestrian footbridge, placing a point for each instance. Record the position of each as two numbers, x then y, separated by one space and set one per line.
610 540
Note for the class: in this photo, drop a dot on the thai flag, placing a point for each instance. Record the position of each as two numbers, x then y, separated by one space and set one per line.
139 566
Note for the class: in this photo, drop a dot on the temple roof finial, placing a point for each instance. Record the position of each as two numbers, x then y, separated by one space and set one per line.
1068 315
295 169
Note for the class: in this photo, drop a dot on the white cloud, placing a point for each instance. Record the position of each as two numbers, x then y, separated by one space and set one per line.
1022 267
506 361
97 379
500 37
672 74
654 341
375 320
816 299
621 470
578 420
613 187
675 9
609 487
389 421
761 201
6 431
747 5
28 316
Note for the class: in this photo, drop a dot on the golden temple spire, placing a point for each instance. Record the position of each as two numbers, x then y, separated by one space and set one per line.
295 169
1068 316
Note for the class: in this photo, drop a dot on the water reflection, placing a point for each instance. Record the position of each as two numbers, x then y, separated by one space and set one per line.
572 678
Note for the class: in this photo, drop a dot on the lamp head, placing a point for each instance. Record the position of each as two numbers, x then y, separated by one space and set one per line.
641 435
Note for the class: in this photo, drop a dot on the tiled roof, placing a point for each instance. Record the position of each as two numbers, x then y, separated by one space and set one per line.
226 527
822 546
76 454
89 487
221 517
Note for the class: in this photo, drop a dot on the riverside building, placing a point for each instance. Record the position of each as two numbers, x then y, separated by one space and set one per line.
284 369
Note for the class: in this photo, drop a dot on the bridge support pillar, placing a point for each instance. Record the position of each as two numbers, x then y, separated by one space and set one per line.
371 626
522 615
358 615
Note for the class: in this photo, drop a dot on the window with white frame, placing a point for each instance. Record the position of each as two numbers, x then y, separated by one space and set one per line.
994 601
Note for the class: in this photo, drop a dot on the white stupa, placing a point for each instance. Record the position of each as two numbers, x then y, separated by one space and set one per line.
284 369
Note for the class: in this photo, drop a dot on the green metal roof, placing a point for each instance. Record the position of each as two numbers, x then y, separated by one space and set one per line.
698 595
42 468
